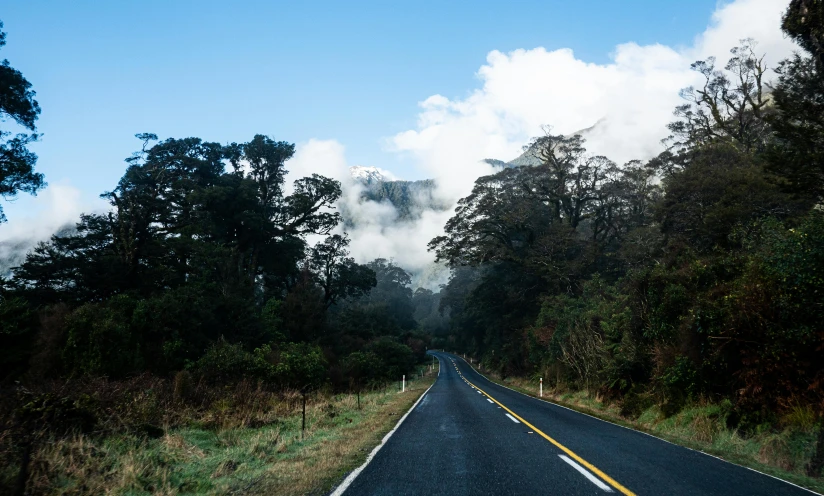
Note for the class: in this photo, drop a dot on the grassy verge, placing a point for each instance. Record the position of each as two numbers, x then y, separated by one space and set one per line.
220 457
781 453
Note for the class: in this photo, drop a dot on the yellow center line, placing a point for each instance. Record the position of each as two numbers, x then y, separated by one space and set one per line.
612 482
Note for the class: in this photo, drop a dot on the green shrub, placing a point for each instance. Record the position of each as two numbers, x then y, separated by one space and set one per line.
61 414
396 359
362 367
299 365
18 324
680 383
272 320
635 402
100 340
225 362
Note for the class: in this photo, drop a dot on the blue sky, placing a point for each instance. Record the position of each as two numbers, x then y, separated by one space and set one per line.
351 71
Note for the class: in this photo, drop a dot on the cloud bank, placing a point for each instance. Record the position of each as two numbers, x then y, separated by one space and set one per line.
631 99
57 207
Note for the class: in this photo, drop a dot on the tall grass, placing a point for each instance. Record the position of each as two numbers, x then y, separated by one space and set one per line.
243 440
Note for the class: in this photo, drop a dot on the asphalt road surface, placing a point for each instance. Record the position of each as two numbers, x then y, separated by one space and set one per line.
468 435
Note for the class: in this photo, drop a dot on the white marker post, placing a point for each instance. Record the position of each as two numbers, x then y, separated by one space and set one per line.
403 384
541 388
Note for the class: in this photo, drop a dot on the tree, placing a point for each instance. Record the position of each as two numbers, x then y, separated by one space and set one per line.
804 22
722 189
16 160
197 249
300 366
729 108
396 359
392 289
17 328
361 367
797 154
336 272
304 310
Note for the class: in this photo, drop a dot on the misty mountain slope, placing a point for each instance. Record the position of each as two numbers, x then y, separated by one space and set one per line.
409 198
13 251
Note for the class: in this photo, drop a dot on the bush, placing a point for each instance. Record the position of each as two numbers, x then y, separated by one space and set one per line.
225 362
680 385
17 330
183 385
272 320
396 359
60 414
635 402
100 341
362 367
299 365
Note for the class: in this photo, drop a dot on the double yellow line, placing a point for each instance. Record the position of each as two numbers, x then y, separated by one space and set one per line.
609 480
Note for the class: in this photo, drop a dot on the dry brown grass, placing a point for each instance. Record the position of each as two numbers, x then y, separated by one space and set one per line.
246 442
317 464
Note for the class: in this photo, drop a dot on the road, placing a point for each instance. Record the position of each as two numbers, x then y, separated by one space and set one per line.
470 436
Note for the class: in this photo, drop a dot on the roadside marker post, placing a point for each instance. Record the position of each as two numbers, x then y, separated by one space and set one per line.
541 388
403 384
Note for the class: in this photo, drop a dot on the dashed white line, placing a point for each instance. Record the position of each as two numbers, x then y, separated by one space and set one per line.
489 400
513 418
586 474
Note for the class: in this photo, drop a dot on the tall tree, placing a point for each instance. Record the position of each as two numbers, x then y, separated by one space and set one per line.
804 22
730 107
797 154
16 160
336 272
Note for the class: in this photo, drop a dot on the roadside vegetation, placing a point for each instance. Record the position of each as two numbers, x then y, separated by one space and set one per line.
241 440
784 450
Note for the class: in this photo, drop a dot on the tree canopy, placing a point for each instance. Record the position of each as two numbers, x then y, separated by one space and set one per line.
16 160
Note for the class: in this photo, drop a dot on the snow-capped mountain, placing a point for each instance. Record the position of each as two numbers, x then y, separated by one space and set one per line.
370 175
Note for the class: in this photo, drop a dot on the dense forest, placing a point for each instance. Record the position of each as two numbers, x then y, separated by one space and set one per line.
201 267
697 274
196 265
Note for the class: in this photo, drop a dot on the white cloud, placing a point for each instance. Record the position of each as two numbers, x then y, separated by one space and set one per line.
324 157
377 231
631 98
56 207
733 21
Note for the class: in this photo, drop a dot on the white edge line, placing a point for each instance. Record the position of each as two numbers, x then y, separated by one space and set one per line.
513 418
355 473
586 474
641 432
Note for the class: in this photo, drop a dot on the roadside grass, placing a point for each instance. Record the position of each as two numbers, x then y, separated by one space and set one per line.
784 452
221 454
